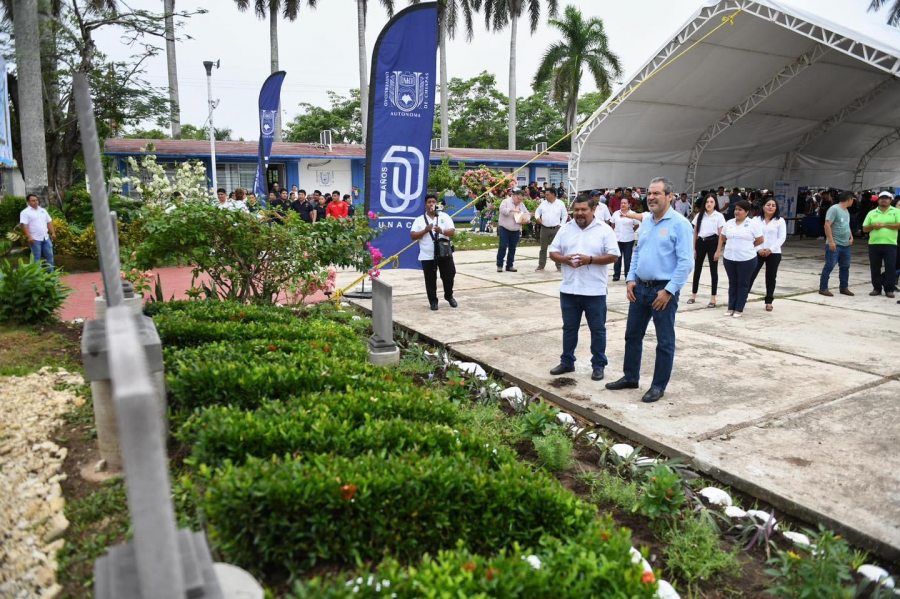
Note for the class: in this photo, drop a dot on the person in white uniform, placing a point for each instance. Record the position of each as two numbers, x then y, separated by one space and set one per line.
38 229
624 225
708 225
551 215
583 247
427 229
769 253
740 236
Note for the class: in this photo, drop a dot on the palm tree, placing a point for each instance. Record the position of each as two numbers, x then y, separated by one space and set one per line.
172 68
361 9
448 17
24 14
581 43
497 13
269 9
893 14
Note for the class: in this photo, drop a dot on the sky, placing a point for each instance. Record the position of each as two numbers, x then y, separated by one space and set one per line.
319 51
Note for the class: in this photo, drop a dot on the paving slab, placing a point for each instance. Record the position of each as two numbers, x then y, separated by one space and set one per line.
411 282
824 459
861 302
826 333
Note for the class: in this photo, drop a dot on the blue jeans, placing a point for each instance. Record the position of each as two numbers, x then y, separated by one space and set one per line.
508 241
594 309
639 314
841 257
43 249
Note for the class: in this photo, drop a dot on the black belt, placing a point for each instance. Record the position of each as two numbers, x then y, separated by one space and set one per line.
708 237
652 283
549 227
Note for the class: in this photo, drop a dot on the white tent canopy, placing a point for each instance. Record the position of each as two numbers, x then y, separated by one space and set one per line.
772 94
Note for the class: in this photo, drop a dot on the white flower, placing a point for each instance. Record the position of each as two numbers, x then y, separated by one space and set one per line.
533 560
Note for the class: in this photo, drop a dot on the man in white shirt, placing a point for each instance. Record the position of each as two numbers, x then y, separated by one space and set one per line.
427 230
601 211
682 205
722 199
38 229
583 247
551 215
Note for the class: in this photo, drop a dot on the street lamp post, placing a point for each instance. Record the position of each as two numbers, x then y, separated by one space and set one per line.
208 64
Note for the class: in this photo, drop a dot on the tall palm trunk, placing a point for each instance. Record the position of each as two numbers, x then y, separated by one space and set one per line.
363 75
571 113
172 68
514 20
273 49
31 104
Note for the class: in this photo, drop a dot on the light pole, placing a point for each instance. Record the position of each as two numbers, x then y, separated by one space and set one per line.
212 130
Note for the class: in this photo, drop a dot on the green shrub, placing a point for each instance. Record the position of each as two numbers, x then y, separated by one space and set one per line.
217 434
10 209
821 570
278 518
594 564
661 494
181 329
261 351
218 311
554 451
694 553
29 292
196 382
538 419
607 487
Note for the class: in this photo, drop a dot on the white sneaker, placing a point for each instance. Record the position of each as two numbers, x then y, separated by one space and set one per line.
729 313
737 314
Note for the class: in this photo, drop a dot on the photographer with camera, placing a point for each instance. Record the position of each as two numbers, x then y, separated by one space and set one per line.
433 230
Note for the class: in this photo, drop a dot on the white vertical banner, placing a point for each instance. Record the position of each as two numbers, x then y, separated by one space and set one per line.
6 154
786 196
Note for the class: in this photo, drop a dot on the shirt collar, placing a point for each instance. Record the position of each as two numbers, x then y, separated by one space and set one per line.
668 214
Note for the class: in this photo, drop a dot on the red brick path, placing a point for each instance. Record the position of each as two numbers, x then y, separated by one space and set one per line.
175 281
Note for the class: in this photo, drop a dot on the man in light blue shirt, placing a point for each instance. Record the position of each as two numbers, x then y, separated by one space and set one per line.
662 260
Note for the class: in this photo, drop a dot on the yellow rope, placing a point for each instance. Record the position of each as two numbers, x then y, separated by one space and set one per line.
726 20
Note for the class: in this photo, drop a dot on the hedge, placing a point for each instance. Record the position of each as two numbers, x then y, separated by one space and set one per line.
245 383
260 351
216 311
278 518
219 434
594 564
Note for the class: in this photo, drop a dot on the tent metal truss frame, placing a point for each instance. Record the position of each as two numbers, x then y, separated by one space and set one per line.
890 138
825 39
746 106
837 118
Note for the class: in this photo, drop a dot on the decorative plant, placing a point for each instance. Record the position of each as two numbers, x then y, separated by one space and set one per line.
29 292
554 450
150 181
485 180
539 417
820 570
661 494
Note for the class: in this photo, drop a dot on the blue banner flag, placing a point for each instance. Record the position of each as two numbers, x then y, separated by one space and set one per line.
269 99
401 118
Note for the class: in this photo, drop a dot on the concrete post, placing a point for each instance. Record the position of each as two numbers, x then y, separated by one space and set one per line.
382 349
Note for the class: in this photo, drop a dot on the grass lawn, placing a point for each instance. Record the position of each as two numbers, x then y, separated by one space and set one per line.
24 350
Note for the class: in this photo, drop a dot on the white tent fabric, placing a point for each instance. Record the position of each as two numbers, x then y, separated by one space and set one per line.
774 94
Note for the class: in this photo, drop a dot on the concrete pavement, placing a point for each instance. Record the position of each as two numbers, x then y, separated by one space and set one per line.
799 407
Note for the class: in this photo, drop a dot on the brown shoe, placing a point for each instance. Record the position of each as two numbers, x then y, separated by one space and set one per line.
873 293
846 291
825 292
889 294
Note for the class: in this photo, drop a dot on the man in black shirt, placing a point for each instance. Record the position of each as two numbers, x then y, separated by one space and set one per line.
303 206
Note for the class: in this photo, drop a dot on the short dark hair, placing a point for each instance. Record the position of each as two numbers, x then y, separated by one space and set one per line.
550 190
32 195
584 198
221 190
430 195
303 191
335 192
283 190
346 196
316 191
845 195
743 205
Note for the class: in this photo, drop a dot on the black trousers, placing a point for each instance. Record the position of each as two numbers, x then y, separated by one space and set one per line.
430 269
882 253
771 262
625 250
706 248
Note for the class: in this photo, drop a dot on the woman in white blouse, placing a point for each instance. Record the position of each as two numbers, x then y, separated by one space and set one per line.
708 225
769 253
624 225
740 236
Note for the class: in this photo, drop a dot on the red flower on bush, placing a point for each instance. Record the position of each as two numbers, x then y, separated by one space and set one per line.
271 347
604 536
347 492
490 573
469 566
648 578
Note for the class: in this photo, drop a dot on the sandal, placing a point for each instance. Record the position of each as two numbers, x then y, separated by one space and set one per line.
692 301
711 305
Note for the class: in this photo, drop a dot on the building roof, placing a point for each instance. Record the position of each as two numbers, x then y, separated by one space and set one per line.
748 92
190 148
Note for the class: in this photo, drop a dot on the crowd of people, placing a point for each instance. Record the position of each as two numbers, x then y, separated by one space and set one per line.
280 202
656 240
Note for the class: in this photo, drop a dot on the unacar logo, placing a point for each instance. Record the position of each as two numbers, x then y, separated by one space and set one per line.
405 179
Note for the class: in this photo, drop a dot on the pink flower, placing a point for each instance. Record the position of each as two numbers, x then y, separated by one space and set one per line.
372 215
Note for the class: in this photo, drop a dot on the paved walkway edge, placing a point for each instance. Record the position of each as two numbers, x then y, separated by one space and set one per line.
779 502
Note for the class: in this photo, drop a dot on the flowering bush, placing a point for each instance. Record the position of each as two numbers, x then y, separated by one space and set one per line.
483 179
150 181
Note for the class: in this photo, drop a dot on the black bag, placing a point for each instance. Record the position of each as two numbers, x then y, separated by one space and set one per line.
443 249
